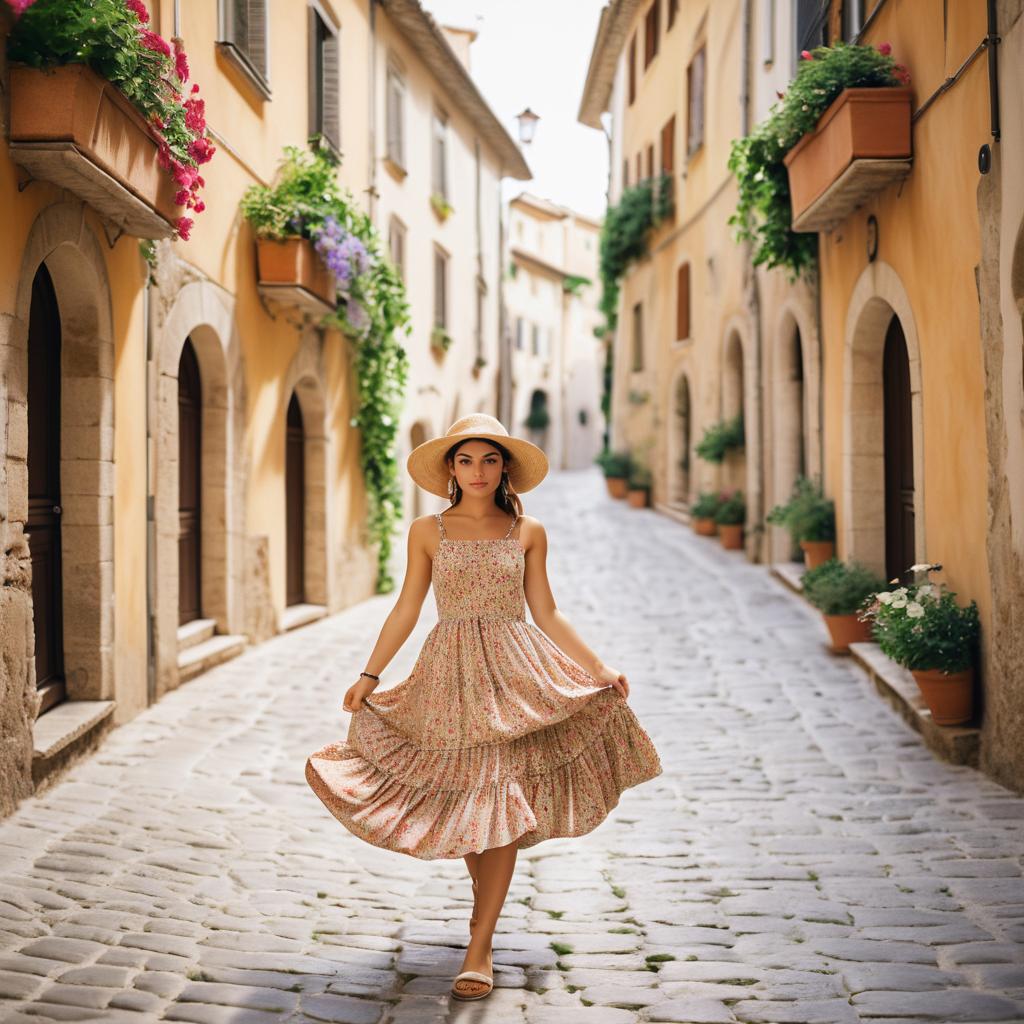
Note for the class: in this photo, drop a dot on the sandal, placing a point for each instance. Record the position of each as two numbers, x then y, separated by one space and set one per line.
472 976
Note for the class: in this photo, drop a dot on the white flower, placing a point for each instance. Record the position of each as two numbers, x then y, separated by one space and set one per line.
914 610
920 567
884 597
899 602
925 590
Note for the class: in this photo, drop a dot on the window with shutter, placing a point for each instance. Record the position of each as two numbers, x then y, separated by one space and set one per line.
639 168
535 339
632 68
673 11
625 174
651 33
439 154
396 245
440 289
481 295
767 32
243 37
638 338
396 117
324 98
520 333
650 161
668 146
683 302
695 76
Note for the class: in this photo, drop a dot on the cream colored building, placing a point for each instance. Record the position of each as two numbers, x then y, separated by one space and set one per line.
440 155
186 480
557 361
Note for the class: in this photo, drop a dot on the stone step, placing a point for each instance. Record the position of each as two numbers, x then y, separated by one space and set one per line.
195 632
296 615
201 657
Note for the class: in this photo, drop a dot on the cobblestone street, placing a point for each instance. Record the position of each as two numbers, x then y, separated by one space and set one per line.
803 858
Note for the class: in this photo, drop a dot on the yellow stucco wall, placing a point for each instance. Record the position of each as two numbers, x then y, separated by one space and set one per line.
929 234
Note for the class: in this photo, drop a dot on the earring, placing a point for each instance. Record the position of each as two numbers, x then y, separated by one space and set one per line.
453 487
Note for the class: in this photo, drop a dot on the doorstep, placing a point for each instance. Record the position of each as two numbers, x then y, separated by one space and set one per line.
66 722
791 573
955 743
680 513
296 615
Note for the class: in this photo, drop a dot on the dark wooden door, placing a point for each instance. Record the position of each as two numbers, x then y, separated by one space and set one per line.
295 503
899 454
190 467
44 344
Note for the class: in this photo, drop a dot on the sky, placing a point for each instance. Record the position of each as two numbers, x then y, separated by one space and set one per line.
534 53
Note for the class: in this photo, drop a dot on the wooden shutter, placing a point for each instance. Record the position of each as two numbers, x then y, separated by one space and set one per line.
439 163
651 33
256 36
440 289
650 161
673 10
632 69
639 168
638 337
683 302
668 146
331 87
625 174
395 116
695 101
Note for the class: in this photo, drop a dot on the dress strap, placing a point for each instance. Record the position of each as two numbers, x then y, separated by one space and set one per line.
515 519
440 524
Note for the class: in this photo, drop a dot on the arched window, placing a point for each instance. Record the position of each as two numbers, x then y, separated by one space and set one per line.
683 302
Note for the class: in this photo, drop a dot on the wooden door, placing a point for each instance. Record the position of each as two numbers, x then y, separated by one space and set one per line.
44 511
295 504
190 415
899 454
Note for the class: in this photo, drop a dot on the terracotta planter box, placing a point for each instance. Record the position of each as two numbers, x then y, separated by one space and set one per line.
637 497
292 274
861 145
705 526
731 536
817 551
949 697
617 486
75 129
846 630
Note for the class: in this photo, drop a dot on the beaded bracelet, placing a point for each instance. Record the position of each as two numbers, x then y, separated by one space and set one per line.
370 675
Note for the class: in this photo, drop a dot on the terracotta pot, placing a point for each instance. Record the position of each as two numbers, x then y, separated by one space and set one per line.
731 535
294 261
70 126
617 486
846 630
705 526
949 697
817 551
861 124
637 497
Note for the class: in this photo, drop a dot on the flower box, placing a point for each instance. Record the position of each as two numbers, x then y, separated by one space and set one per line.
861 145
71 127
292 274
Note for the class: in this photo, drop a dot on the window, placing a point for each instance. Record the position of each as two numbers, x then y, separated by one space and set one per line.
625 174
632 69
650 161
440 288
651 33
668 146
395 117
439 155
853 19
673 11
481 296
639 168
683 302
324 101
638 338
243 35
811 26
396 245
768 32
535 339
520 333
695 102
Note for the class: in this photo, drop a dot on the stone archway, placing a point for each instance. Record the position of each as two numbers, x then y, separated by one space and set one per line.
61 240
680 440
790 427
733 399
305 380
877 297
202 314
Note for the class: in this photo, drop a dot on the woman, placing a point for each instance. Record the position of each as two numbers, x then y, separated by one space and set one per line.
505 733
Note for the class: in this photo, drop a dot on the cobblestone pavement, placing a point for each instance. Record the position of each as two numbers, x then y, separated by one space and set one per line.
803 858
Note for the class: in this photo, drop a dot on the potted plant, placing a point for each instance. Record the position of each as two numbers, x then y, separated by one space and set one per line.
440 340
765 211
638 485
730 517
99 106
720 438
615 466
538 418
441 207
810 518
922 628
839 592
478 364
703 511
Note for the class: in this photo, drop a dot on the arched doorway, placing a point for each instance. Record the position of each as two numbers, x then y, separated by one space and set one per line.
734 469
789 449
295 503
899 453
190 468
538 419
683 431
44 490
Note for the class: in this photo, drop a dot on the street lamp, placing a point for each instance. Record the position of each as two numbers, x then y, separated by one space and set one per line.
527 125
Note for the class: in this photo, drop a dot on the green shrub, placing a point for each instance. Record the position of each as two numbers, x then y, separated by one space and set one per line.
719 438
639 478
808 515
614 464
835 588
732 511
706 505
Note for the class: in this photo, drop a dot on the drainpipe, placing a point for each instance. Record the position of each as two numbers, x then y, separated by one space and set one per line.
504 345
371 93
149 374
753 300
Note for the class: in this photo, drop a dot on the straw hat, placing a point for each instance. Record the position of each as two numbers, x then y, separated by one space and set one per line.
426 464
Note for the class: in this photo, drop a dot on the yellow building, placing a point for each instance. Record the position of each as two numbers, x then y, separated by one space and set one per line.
180 476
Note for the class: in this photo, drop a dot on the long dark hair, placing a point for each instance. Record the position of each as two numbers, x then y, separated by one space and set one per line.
505 496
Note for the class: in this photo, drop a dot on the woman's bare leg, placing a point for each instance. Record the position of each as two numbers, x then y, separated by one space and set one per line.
473 865
494 871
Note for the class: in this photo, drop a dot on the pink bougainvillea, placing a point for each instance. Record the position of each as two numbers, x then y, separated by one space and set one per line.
19 6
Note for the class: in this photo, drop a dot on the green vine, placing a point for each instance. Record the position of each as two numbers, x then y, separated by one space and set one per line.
309 201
